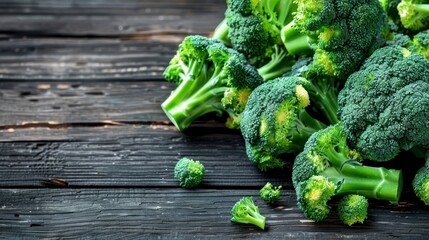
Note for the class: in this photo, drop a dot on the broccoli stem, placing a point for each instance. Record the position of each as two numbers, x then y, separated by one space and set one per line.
324 96
221 33
353 178
194 98
256 218
304 127
281 62
422 8
294 41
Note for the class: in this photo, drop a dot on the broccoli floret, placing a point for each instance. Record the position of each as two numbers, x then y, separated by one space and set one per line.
245 211
275 121
414 14
270 193
211 78
421 182
341 32
327 167
353 209
254 30
385 105
420 44
190 173
399 39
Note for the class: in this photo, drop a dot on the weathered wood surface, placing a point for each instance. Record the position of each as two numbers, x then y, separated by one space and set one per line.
183 214
80 88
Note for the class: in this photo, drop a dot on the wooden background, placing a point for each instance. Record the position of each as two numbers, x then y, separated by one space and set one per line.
80 92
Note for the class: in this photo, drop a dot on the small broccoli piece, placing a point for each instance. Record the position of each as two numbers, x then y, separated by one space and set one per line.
190 173
211 78
353 209
414 14
254 30
270 193
420 44
245 211
342 34
385 105
327 167
421 182
275 121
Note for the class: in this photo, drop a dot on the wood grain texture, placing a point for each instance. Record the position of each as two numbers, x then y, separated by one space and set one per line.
139 155
183 214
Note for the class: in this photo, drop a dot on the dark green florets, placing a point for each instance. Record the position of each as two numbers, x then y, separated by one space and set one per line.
245 211
421 182
190 173
353 209
420 44
270 193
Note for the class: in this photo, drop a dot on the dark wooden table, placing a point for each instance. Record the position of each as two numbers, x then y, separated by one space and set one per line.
80 92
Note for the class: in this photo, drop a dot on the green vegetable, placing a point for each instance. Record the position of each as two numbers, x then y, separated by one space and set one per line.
421 182
275 121
245 211
353 209
420 44
270 193
211 78
414 14
385 105
190 173
327 167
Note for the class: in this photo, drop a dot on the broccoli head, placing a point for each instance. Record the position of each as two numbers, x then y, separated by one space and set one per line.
420 44
385 105
421 182
327 167
190 173
245 211
270 193
211 78
342 34
414 14
353 209
275 121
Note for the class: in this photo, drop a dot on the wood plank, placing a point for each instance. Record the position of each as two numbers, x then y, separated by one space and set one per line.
129 155
87 59
129 18
82 102
182 214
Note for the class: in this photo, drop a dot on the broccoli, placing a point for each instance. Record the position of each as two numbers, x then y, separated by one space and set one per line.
211 78
275 121
385 105
414 14
421 182
270 193
327 167
254 30
221 33
420 44
245 211
342 34
190 173
353 209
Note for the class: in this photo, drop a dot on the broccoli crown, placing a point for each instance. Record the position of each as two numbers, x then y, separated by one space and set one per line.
327 167
245 211
190 173
399 39
208 73
270 193
421 182
353 209
385 105
275 121
414 14
342 33
420 44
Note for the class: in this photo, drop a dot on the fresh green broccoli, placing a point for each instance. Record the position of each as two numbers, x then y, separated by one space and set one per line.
353 209
399 39
385 105
190 173
254 30
342 34
270 193
421 182
275 121
245 211
414 14
327 167
221 33
420 44
211 78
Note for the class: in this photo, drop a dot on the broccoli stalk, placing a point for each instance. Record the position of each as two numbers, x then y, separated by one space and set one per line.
328 168
414 14
245 211
221 33
207 72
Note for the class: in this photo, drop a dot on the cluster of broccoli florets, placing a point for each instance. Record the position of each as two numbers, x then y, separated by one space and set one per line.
332 84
